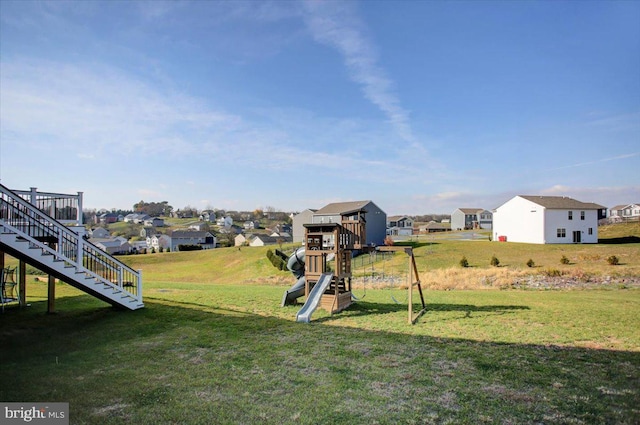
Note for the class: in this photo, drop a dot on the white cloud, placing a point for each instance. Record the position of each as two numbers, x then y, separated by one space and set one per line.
336 24
597 161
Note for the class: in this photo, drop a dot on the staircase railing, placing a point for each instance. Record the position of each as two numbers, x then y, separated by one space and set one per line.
19 216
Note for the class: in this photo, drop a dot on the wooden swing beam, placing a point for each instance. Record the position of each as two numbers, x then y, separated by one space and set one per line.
413 271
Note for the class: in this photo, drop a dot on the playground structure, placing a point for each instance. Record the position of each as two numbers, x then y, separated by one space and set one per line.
323 267
325 279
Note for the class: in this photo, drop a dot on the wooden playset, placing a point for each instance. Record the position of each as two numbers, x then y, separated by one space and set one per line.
329 249
333 241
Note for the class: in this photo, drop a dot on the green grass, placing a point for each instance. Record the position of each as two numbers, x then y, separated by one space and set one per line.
213 346
214 353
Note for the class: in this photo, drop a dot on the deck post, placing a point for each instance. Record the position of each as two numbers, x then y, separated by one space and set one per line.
80 252
410 289
51 295
22 282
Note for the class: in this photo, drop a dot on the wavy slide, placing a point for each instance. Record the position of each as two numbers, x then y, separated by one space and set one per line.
296 265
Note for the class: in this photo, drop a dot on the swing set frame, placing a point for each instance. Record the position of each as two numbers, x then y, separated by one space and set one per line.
413 279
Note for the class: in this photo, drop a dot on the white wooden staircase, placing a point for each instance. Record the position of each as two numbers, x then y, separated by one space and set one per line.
29 234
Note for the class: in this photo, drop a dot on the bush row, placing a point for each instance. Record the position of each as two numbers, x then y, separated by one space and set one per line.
277 260
612 260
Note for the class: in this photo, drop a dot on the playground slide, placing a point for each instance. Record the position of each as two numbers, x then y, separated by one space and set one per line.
296 266
304 315
292 294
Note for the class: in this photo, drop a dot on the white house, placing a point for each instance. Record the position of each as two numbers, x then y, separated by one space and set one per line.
471 218
158 241
251 225
136 218
547 220
625 212
399 225
263 240
241 239
225 222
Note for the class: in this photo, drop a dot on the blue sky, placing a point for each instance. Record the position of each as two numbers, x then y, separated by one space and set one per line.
420 106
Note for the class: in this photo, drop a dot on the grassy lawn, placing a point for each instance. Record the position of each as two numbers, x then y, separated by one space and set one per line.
213 346
203 353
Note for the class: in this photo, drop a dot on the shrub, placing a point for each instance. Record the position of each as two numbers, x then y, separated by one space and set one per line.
189 247
276 260
613 260
494 261
464 262
530 263
564 260
552 273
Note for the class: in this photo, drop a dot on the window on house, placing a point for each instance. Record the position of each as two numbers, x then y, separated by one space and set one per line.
590 230
570 215
581 215
561 233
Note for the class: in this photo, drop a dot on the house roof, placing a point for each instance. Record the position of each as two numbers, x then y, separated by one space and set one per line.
396 217
188 234
342 207
470 210
561 202
107 242
624 206
434 225
265 238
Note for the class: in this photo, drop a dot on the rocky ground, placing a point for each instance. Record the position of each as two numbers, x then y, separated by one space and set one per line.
572 282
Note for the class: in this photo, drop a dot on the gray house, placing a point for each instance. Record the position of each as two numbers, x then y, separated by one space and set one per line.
299 220
206 240
376 229
471 218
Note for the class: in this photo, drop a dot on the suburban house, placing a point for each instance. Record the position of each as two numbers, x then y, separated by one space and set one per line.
147 232
181 214
251 225
226 221
200 226
139 246
433 227
241 239
99 233
547 220
376 230
109 218
136 218
117 245
399 225
629 212
158 241
204 239
298 221
263 240
471 218
154 221
208 215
